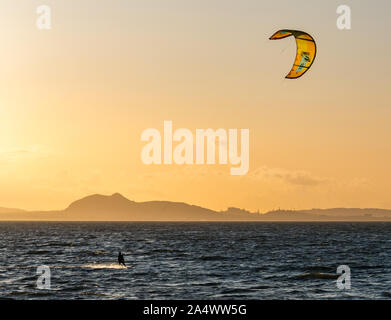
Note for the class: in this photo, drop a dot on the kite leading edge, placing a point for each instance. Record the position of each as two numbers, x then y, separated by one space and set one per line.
306 51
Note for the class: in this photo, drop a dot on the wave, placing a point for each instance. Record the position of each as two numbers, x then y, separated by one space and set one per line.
104 266
259 287
317 275
321 268
204 284
212 258
95 252
235 290
75 288
39 252
99 294
365 267
57 244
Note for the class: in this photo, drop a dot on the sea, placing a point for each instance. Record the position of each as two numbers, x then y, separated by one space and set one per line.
195 260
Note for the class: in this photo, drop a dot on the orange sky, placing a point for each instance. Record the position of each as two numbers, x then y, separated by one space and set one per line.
75 99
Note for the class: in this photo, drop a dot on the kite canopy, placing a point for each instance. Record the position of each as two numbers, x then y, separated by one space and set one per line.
306 51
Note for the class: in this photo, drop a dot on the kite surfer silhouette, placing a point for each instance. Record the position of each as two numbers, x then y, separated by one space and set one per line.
121 260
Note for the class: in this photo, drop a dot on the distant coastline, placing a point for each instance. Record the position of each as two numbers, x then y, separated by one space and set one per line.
116 207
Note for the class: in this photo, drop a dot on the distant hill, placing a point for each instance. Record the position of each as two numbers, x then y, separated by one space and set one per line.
10 210
350 212
334 214
116 207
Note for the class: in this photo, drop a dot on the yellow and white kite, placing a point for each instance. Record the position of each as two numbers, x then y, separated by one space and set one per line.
306 51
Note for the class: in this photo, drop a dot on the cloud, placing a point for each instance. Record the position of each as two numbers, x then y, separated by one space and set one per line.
30 152
300 178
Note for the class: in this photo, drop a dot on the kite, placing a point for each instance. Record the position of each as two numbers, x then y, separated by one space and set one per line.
306 51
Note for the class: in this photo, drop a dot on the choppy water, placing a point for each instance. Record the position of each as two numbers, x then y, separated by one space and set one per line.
195 260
